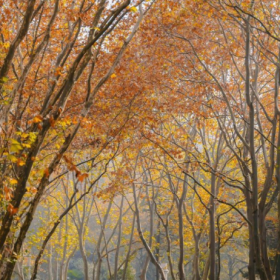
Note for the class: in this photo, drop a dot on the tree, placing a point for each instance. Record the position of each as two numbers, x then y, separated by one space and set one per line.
41 77
139 133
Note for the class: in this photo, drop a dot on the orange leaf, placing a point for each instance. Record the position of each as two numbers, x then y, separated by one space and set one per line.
82 177
52 121
8 193
33 190
37 119
12 210
20 162
6 189
46 172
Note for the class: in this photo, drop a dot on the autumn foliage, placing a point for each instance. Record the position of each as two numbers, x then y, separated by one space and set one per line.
139 137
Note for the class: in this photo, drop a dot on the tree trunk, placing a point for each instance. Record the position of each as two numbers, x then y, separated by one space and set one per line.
213 274
206 268
119 240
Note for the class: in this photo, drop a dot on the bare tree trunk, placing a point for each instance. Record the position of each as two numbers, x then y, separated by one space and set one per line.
83 253
147 261
213 273
119 240
62 265
50 267
180 207
97 264
65 272
145 268
254 177
139 228
206 268
158 247
129 248
196 275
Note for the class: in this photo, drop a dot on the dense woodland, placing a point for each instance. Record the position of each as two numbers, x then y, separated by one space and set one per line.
139 139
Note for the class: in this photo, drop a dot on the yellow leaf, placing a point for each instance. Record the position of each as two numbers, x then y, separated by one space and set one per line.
26 145
133 9
96 28
24 135
113 76
16 148
12 158
13 181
